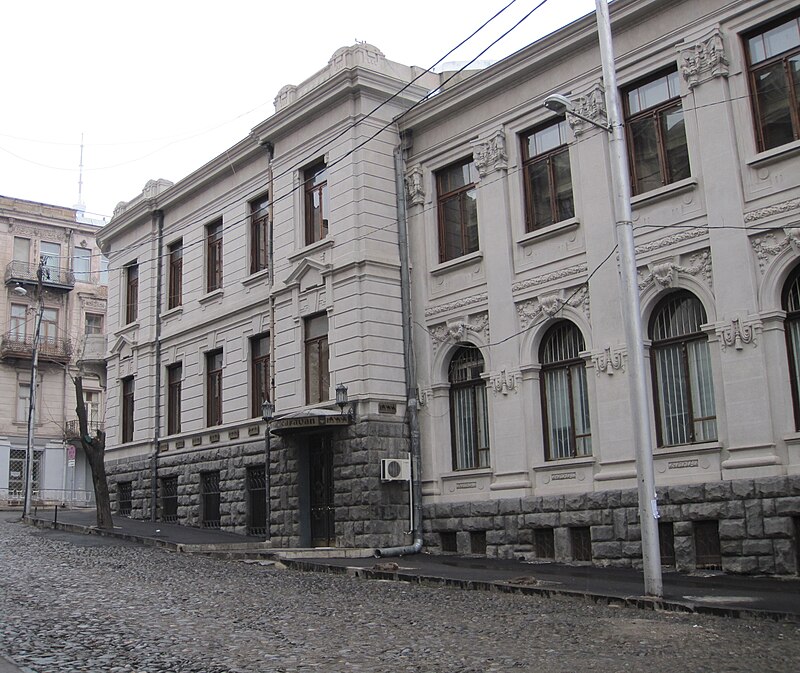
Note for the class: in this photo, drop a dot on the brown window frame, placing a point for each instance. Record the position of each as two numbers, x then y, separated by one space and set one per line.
317 350
131 293
549 158
316 228
128 408
214 366
471 449
214 256
790 303
174 385
259 234
783 58
175 289
656 113
97 319
259 372
445 196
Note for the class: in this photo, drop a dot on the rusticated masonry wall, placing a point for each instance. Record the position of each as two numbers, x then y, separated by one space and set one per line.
367 512
745 526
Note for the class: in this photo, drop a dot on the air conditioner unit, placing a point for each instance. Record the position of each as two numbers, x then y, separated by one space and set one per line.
395 469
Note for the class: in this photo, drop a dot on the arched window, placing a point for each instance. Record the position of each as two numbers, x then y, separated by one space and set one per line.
791 304
565 402
468 418
683 384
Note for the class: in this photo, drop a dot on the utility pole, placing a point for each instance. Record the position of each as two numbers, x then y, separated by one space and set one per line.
40 273
631 313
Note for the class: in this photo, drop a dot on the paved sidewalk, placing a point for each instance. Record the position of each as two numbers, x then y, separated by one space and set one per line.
706 592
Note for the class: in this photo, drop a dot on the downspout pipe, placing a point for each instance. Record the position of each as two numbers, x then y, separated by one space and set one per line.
158 223
415 487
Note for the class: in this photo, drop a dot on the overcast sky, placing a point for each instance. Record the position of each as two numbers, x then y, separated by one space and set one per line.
160 87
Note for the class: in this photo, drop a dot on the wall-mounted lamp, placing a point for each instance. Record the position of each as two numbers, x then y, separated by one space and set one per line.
19 290
562 105
267 411
342 401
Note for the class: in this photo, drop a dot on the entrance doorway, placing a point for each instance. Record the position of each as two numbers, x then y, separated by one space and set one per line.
320 477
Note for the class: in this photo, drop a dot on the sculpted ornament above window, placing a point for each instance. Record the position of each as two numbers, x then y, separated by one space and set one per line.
489 154
703 59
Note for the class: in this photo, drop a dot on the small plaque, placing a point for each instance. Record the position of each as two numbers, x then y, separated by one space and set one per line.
213 437
253 430
466 485
233 434
197 441
387 408
681 464
180 443
560 476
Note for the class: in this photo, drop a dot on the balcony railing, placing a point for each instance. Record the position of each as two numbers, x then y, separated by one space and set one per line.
72 429
19 346
24 273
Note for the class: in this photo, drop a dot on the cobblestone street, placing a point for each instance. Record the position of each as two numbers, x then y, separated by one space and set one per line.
72 603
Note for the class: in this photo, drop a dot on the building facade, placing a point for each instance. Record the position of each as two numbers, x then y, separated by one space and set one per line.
58 244
526 439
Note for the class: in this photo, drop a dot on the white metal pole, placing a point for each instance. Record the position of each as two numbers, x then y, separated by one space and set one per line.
631 312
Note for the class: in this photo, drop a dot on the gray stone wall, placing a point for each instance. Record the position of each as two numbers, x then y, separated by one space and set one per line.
368 513
757 522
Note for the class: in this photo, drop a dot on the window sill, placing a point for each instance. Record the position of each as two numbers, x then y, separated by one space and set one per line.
547 232
775 154
561 463
256 277
126 329
211 296
325 243
172 312
457 263
679 449
468 472
665 192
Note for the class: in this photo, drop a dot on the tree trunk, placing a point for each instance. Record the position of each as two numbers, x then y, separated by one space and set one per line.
95 449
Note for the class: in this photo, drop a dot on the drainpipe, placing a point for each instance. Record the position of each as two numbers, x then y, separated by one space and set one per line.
158 222
270 149
415 487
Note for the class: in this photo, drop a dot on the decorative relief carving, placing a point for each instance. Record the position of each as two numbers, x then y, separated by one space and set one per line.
609 360
424 396
668 241
664 273
490 153
704 59
44 234
549 305
765 246
454 331
415 192
592 104
738 333
769 211
456 305
505 382
550 277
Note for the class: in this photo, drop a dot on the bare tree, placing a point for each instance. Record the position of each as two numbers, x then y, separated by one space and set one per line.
95 449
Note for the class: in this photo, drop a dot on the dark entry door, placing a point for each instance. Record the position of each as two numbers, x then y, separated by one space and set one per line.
320 465
256 501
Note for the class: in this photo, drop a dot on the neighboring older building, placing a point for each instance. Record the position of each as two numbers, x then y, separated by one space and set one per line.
527 445
73 307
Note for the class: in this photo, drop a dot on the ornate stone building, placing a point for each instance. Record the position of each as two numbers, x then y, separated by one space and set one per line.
73 315
523 389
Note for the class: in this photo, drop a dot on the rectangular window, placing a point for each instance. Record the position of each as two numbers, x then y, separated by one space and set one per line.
49 329
22 250
51 256
127 409
18 323
82 264
131 293
91 400
259 234
210 500
93 323
16 473
169 499
214 256
544 544
124 498
657 145
317 372
259 355
707 549
315 181
214 388
175 297
581 541
174 379
458 211
774 64
548 179
23 402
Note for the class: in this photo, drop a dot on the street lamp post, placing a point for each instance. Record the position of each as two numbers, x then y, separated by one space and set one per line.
631 311
267 413
28 496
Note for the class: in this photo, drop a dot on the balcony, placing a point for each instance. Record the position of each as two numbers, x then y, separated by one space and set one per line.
72 429
17 346
25 274
92 356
